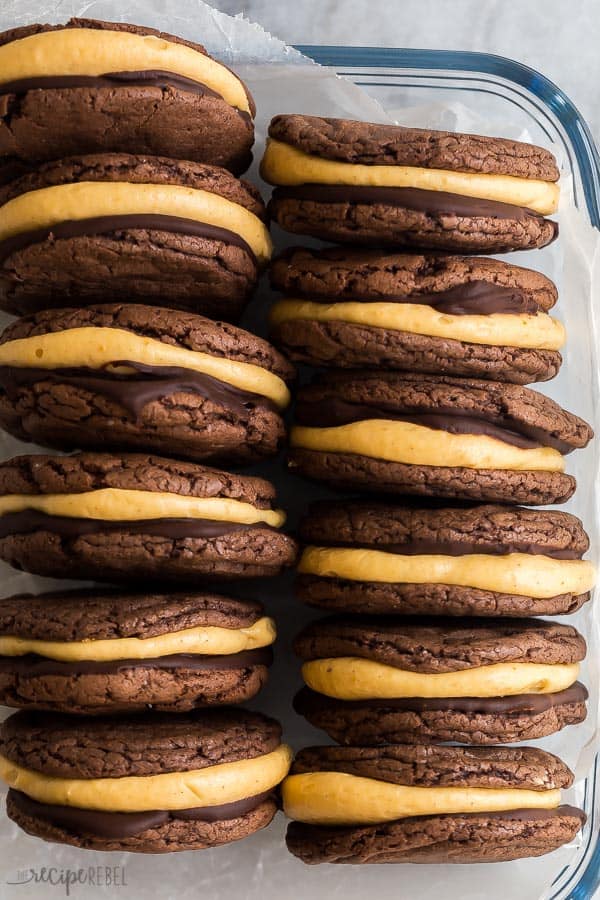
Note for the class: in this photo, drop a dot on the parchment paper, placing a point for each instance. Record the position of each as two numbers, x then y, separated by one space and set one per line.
260 868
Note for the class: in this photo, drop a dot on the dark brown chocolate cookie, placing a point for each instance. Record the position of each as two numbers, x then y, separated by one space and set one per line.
146 111
449 531
441 837
155 546
372 143
457 838
157 407
452 285
434 647
66 747
410 216
180 262
510 414
170 680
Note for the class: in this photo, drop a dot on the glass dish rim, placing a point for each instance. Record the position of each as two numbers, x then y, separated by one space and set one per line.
588 164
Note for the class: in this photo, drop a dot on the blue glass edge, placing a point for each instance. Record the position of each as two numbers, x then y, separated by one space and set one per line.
576 128
586 152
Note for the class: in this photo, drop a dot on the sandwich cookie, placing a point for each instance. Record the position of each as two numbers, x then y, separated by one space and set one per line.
398 433
130 516
138 377
91 87
478 561
385 680
361 183
148 783
93 652
450 315
421 804
109 227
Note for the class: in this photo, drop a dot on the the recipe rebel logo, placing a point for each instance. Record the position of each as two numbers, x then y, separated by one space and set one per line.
92 876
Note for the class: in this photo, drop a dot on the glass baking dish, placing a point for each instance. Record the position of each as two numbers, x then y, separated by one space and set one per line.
495 87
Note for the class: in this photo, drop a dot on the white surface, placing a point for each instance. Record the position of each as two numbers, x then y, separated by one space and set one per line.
558 38
260 868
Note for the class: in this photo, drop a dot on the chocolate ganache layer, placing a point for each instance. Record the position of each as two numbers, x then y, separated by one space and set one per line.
134 392
338 411
108 224
418 199
115 826
29 520
33 666
473 298
307 701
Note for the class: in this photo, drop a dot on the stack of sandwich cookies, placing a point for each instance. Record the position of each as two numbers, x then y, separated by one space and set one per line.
421 804
364 183
455 315
387 680
398 433
364 557
136 228
90 87
151 783
98 653
130 516
142 378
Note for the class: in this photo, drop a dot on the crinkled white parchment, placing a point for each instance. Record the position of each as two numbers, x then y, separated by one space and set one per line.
260 868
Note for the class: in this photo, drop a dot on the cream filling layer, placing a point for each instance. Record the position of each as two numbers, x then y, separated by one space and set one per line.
116 504
352 678
212 786
535 332
526 574
337 798
46 207
89 51
206 640
405 442
283 164
95 347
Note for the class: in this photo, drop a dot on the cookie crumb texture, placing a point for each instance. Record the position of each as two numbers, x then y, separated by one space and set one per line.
145 265
182 422
124 555
165 119
435 839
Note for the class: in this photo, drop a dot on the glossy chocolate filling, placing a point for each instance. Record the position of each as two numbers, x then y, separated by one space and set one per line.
473 298
455 548
307 701
134 392
29 520
75 228
33 666
116 826
338 411
420 200
141 78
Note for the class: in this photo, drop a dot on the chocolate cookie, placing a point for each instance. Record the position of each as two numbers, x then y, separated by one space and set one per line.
388 680
360 182
423 804
147 783
90 652
448 437
138 377
93 87
115 227
452 315
479 561
131 516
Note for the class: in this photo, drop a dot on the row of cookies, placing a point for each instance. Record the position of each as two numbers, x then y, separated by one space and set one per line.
209 268
121 220
427 356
